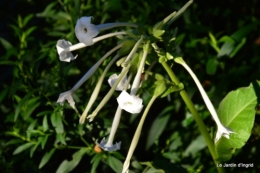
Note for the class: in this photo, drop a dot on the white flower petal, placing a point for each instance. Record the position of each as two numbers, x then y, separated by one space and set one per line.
64 55
109 147
223 131
85 31
112 80
66 96
130 103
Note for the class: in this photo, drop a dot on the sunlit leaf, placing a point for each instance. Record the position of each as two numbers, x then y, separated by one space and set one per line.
236 111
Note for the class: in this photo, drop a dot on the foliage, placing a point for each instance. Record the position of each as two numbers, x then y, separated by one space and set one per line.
218 40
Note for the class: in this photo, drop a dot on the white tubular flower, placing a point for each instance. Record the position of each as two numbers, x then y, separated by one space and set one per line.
130 103
64 55
222 130
109 146
85 31
120 87
66 96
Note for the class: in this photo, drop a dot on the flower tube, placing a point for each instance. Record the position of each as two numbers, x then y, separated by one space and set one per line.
64 47
108 146
68 94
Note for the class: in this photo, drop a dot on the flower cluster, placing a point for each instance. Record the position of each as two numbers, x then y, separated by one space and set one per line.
132 80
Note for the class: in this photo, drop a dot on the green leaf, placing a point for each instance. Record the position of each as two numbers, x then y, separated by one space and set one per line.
67 166
237 112
244 31
56 121
44 140
61 137
238 47
34 148
27 19
158 126
46 158
22 103
212 66
45 123
95 162
23 147
196 145
115 164
5 43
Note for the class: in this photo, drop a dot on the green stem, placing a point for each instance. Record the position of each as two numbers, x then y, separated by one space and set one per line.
137 135
197 118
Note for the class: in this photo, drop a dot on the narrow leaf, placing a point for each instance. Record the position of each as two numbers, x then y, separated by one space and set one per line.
46 158
23 147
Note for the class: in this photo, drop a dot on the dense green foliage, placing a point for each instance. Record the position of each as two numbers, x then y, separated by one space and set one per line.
219 40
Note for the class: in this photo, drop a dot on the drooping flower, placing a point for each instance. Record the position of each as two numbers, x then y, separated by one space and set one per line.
112 80
109 146
66 96
130 103
64 55
85 31
222 130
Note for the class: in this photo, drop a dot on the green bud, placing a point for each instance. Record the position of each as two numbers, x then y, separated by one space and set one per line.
160 88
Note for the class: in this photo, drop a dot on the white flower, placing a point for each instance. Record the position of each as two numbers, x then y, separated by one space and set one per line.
222 131
85 31
66 96
130 103
108 146
63 54
120 87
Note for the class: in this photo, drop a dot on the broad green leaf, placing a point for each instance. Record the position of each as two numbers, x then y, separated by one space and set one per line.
158 126
115 164
67 166
46 158
237 112
23 147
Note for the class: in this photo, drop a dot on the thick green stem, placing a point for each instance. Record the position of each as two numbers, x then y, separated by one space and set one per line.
197 118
